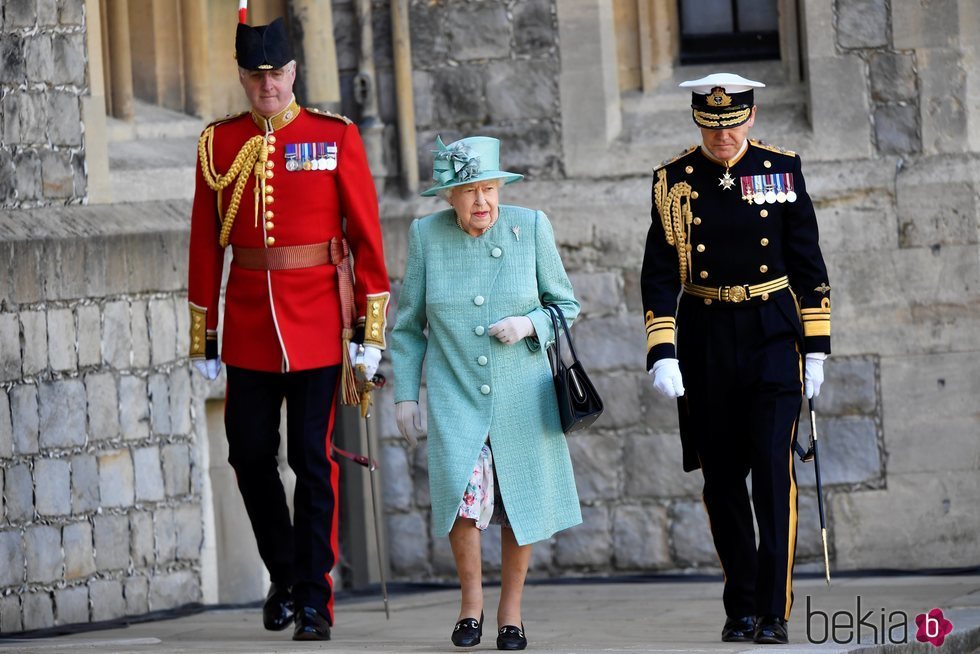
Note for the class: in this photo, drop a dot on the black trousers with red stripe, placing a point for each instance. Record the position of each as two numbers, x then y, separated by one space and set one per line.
742 371
300 553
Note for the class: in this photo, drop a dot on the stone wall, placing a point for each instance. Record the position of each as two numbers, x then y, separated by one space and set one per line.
42 79
101 509
479 67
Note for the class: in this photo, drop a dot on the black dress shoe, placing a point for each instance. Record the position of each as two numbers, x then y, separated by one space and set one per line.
739 630
468 632
277 612
310 625
511 638
771 630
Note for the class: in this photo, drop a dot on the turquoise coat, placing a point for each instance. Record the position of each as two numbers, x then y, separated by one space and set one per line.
457 286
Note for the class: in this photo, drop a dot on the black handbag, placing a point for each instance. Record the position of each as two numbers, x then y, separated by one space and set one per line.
579 405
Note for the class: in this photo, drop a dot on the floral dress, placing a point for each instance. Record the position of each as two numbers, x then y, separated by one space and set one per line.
481 499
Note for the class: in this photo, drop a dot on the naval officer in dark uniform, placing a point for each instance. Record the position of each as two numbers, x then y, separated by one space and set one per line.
737 311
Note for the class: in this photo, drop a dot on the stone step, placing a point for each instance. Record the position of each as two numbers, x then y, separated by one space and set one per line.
153 122
143 170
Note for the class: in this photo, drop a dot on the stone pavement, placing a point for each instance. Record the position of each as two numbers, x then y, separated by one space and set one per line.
650 614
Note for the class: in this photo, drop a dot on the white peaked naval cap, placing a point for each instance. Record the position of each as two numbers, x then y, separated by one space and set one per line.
731 82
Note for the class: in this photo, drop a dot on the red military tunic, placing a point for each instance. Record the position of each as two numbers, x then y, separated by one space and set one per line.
283 320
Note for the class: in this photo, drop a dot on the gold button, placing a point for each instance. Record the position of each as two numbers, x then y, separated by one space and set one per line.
269 215
272 149
269 189
701 247
694 195
763 268
270 240
764 213
269 174
270 164
269 199
272 139
689 170
764 242
765 296
704 274
767 164
707 300
269 224
697 221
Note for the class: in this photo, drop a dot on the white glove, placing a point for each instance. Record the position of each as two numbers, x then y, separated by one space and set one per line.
510 330
209 368
667 378
409 421
813 376
367 357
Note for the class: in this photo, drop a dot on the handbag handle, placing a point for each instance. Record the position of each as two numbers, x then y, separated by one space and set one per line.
554 309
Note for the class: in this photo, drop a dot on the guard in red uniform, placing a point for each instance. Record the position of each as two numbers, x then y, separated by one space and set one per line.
281 184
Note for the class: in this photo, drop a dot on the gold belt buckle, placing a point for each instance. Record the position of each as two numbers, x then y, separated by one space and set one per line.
737 294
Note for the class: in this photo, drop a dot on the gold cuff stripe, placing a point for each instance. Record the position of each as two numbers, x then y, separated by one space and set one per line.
375 320
815 312
816 329
660 337
199 331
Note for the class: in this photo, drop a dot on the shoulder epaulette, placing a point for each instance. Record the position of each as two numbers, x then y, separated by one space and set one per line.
329 114
667 162
227 118
772 148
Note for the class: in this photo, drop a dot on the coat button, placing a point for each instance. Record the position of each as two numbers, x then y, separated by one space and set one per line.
496 252
764 213
272 149
479 331
482 360
269 224
271 139
269 214
689 169
697 221
764 242
478 300
763 268
694 195
701 247
269 174
271 240
270 164
485 389
269 190
704 274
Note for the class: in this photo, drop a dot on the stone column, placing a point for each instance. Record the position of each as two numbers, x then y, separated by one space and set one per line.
94 110
121 64
589 81
319 72
402 55
194 23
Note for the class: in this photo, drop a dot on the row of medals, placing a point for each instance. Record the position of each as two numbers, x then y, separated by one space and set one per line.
770 197
323 163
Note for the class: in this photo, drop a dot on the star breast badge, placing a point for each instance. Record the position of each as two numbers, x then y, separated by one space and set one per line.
726 181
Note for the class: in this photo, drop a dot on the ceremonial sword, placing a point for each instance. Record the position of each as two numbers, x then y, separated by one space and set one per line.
813 454
366 387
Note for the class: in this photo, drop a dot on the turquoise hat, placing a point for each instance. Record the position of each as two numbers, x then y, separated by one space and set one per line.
465 161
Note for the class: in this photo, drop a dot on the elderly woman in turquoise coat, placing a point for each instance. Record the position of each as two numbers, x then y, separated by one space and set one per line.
477 278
